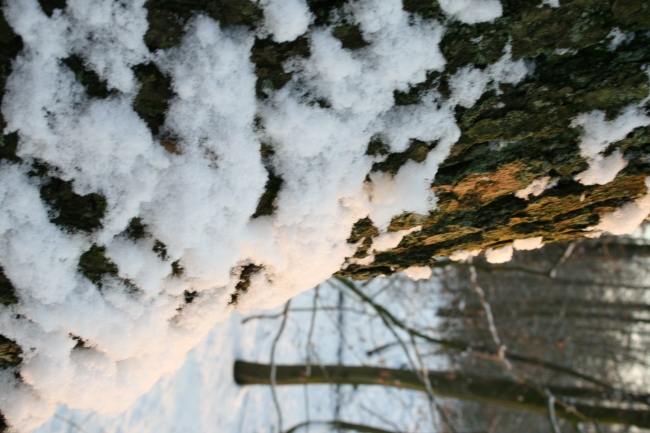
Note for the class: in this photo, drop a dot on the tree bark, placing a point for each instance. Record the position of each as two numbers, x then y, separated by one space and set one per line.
445 384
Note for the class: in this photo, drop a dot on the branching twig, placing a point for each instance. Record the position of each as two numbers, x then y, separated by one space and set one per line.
340 425
551 412
490 318
424 377
309 350
385 315
567 253
70 422
298 310
503 359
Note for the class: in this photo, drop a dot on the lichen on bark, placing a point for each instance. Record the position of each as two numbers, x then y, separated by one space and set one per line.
519 133
513 135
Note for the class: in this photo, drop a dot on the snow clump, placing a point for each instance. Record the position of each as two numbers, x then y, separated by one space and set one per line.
528 244
418 272
626 219
198 200
536 187
499 255
472 11
598 133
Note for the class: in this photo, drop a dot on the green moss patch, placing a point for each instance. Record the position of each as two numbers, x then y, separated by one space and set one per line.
244 281
7 290
136 229
80 343
152 100
177 269
190 296
10 353
95 87
414 94
425 8
324 10
72 211
267 204
8 147
268 56
167 18
160 249
10 46
363 230
49 6
350 36
417 151
377 146
93 264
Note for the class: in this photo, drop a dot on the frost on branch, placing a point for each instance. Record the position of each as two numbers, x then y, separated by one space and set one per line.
165 162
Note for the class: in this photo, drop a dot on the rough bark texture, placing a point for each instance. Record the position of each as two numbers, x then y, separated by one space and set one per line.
475 185
530 122
509 138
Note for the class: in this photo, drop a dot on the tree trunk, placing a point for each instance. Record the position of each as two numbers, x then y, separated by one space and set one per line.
445 384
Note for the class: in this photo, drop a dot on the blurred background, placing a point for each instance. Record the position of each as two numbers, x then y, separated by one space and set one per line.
556 340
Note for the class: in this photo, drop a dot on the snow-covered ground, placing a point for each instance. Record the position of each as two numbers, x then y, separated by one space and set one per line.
202 396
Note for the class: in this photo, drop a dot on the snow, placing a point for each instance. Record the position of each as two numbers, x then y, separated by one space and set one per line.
286 19
461 255
499 255
418 272
551 3
536 187
469 83
528 244
618 37
598 134
199 201
202 396
391 240
383 242
472 11
626 219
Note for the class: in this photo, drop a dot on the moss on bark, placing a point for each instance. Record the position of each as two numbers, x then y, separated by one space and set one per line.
522 132
10 353
7 290
510 137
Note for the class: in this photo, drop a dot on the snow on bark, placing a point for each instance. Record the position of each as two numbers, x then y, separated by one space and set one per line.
140 142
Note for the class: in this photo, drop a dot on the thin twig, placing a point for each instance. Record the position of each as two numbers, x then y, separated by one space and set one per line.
285 314
384 314
567 253
380 417
309 348
298 310
70 422
551 412
424 377
340 425
490 318
503 359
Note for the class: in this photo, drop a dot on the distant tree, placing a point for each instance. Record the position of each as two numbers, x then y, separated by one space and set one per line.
557 331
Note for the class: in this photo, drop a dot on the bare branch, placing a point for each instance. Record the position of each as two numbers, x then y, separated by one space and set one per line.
272 376
340 425
503 392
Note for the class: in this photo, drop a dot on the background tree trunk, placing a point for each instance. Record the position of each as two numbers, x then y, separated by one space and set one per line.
444 384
